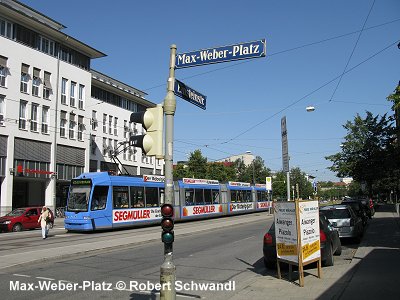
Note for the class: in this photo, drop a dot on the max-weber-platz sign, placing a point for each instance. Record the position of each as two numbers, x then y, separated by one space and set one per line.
221 54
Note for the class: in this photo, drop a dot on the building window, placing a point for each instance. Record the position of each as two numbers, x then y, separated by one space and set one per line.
34 117
22 114
105 147
80 128
63 123
110 147
24 78
45 119
126 129
2 109
110 119
104 123
35 82
72 94
64 91
47 46
3 70
6 29
81 96
72 125
46 86
115 126
94 120
93 145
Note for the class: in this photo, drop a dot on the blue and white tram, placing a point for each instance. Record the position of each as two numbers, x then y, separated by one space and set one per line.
102 201
262 197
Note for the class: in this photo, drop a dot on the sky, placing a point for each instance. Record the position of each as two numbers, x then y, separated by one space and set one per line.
339 56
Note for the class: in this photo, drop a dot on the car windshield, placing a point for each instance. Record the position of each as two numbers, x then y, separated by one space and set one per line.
16 212
336 213
78 198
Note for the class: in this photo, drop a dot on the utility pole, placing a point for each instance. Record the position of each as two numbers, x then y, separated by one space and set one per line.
167 269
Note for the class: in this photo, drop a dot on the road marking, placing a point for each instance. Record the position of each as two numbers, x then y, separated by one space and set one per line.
250 237
45 278
21 275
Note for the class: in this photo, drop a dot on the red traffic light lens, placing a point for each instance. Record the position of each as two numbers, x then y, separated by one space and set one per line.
167 210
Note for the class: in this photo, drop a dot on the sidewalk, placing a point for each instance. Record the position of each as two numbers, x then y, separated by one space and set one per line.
374 272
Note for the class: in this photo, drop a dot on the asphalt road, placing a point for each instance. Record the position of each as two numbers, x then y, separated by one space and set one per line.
229 255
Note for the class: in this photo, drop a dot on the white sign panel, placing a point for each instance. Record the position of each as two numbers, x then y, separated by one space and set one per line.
309 230
268 185
286 231
241 206
199 210
136 214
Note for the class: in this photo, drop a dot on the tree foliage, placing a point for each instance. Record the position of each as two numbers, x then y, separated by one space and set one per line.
365 154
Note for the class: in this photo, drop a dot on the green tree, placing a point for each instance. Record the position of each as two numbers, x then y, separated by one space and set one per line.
364 151
305 187
197 165
180 171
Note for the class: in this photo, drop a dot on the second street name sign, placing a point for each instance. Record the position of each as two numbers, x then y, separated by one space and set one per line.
187 93
221 54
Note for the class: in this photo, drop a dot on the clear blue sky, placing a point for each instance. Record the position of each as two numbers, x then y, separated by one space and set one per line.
246 100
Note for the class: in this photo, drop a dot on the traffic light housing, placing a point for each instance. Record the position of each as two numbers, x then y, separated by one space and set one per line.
167 225
152 120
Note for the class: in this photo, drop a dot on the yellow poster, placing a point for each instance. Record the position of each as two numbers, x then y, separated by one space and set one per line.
310 249
286 250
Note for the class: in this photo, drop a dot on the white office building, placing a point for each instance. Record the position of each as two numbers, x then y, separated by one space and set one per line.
58 117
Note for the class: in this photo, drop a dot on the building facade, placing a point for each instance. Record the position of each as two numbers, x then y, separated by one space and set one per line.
58 118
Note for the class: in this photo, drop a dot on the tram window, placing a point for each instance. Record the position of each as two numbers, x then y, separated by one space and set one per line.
247 196
120 196
99 197
234 196
261 196
189 197
199 197
151 196
215 196
137 196
208 199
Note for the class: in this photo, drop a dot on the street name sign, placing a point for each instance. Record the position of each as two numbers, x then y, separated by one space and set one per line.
239 51
187 93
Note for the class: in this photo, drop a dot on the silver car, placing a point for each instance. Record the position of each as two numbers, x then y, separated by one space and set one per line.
345 221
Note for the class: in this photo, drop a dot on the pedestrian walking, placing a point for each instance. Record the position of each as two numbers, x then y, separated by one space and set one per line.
44 220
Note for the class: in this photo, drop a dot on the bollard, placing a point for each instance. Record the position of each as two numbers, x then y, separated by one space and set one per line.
167 278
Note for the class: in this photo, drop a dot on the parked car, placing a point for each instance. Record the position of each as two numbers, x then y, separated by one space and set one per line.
368 203
23 218
359 208
329 243
345 220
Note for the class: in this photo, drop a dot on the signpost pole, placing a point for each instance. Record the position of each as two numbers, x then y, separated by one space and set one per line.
167 270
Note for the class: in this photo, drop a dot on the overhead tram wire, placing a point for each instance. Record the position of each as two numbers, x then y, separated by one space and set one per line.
280 52
352 52
309 94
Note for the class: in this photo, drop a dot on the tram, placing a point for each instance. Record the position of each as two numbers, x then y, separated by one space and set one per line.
99 201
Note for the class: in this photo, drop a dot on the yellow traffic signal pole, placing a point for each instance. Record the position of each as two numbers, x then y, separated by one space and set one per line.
167 269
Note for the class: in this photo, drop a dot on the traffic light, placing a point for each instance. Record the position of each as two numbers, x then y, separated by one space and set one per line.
167 225
153 121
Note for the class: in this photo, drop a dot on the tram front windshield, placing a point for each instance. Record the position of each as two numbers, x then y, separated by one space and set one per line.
78 198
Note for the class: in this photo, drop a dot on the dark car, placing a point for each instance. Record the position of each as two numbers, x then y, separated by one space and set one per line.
23 218
329 242
367 203
359 208
345 220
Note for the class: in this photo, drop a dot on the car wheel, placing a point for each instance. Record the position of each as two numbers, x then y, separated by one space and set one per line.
338 250
17 227
269 264
329 257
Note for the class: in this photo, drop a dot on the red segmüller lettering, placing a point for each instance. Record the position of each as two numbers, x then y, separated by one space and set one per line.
131 215
198 210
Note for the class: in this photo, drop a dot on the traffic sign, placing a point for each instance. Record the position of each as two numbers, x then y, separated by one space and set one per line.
285 150
187 93
221 54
